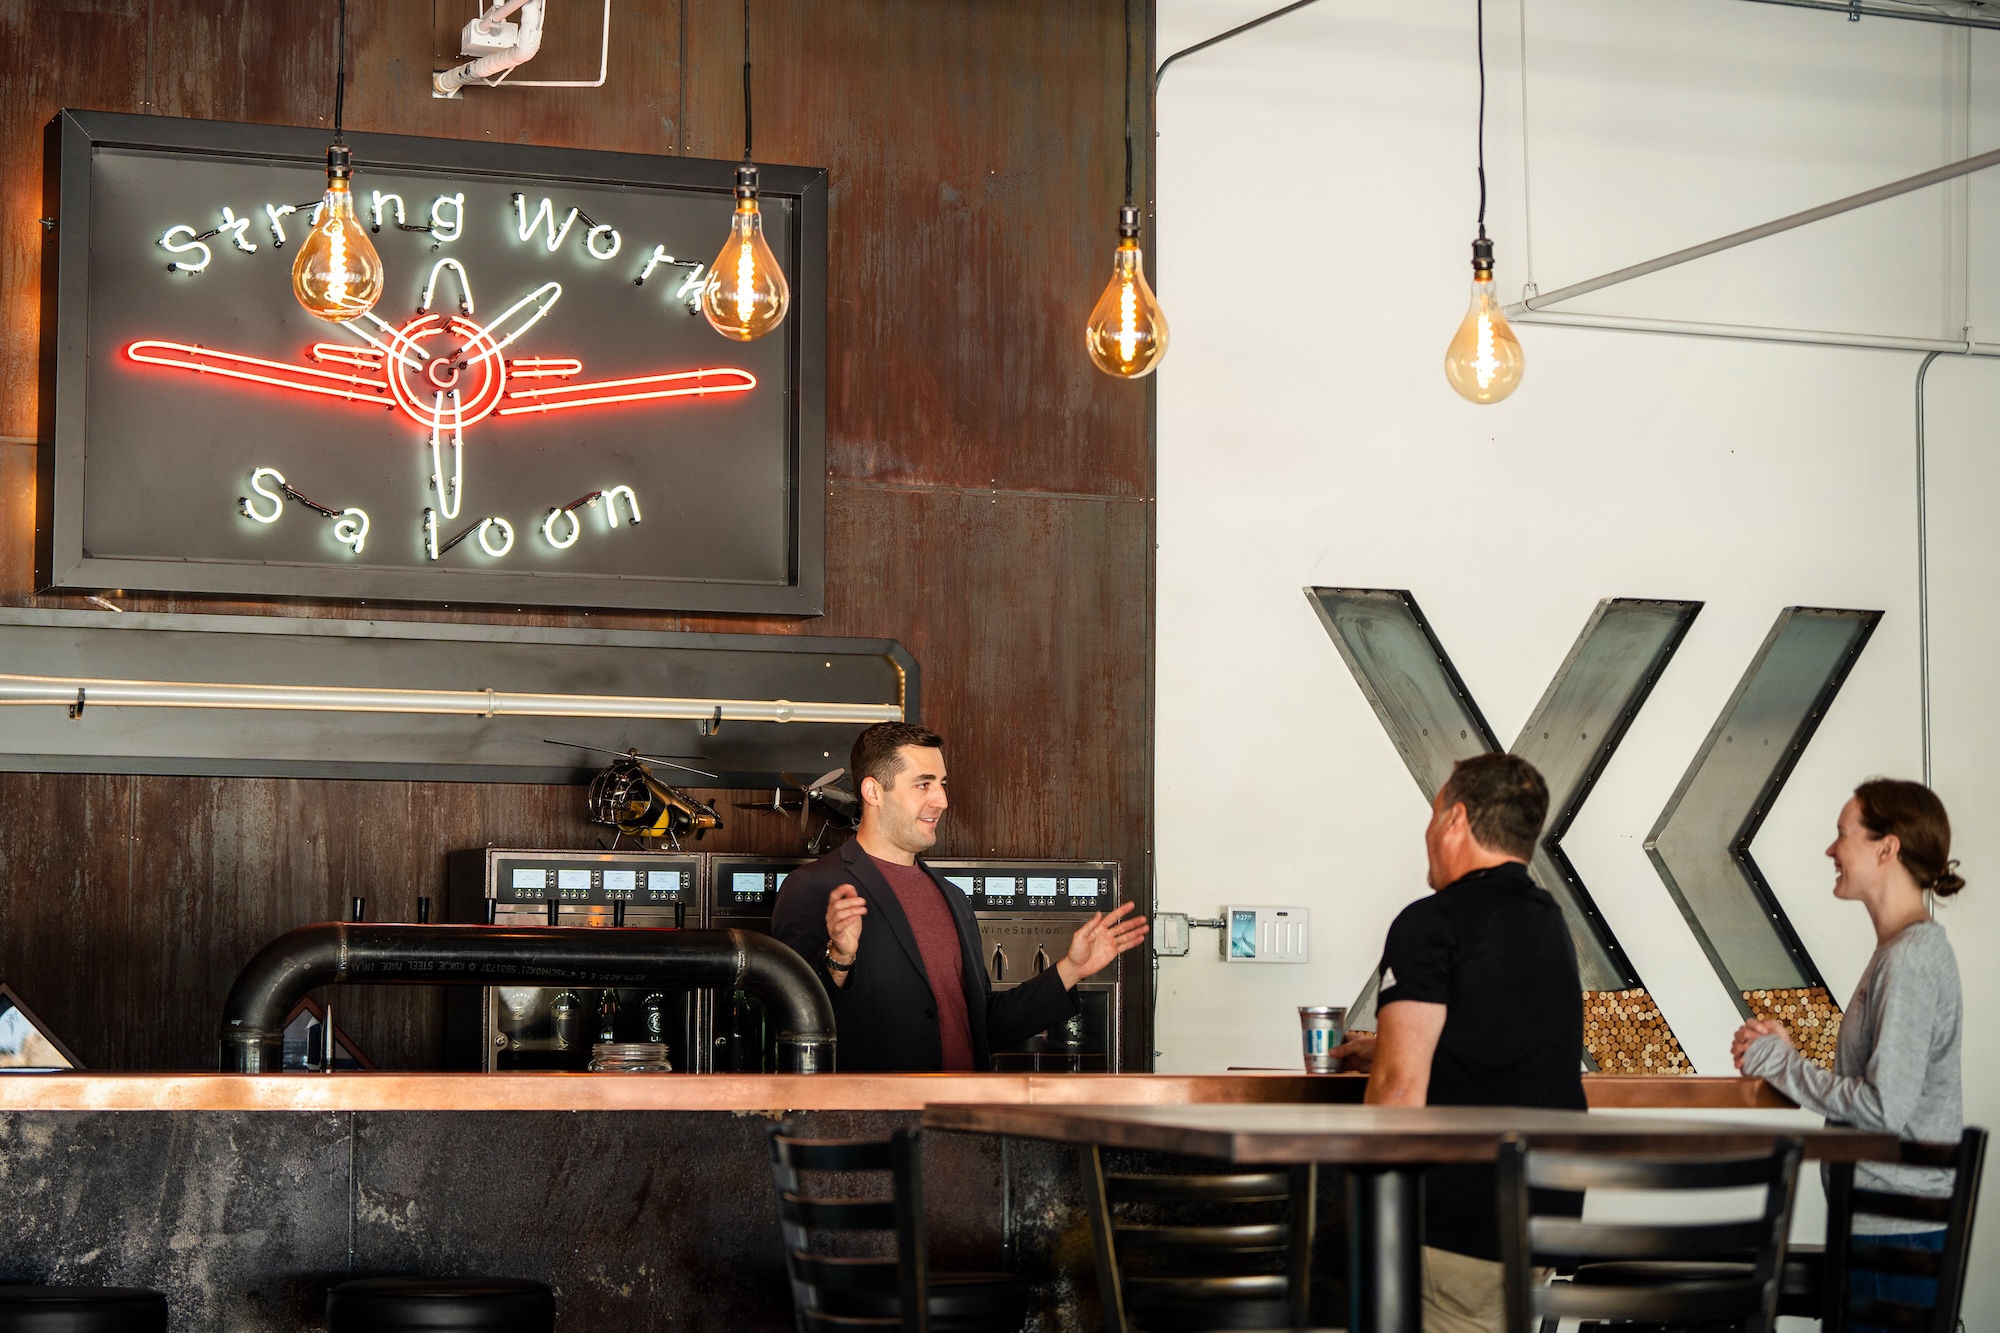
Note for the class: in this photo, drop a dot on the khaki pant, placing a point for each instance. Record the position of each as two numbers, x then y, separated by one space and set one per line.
1465 1295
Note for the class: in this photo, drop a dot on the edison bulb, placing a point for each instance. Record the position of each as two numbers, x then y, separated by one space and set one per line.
1127 332
338 275
1484 361
746 295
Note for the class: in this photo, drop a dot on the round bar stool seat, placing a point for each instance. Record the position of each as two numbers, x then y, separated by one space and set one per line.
82 1310
424 1304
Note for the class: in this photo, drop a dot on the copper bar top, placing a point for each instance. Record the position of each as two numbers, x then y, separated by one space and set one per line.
765 1092
1386 1135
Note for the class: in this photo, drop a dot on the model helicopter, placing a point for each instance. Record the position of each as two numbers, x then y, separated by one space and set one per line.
837 807
629 798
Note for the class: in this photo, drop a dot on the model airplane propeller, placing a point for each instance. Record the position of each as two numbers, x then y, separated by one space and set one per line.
837 806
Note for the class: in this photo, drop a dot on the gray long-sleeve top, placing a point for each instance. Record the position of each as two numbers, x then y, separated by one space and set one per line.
1895 1067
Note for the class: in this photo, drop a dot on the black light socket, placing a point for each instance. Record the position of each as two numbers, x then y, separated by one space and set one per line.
1128 223
1482 259
339 162
746 181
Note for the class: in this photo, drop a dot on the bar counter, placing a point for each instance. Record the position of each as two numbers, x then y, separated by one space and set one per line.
769 1093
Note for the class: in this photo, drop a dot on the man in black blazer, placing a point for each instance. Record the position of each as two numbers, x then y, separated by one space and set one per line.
910 992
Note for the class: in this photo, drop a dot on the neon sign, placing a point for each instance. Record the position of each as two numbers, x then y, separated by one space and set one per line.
532 346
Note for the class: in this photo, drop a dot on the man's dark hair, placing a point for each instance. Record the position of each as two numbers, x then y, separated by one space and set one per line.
877 754
1505 800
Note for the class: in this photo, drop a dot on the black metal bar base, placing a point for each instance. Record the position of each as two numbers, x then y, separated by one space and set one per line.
1385 1249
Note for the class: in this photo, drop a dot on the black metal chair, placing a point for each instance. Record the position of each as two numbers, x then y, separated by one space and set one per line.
1177 1253
36 1309
1658 1286
848 1291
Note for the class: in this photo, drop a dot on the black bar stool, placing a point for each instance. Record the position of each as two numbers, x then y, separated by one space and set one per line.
82 1310
470 1304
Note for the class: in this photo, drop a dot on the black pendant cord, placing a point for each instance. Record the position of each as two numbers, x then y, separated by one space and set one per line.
1481 21
746 80
1128 104
340 74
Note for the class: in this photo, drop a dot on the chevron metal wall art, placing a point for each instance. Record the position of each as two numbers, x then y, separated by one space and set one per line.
1571 735
1701 843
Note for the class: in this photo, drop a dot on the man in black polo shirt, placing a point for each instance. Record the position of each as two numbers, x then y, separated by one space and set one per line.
1479 1005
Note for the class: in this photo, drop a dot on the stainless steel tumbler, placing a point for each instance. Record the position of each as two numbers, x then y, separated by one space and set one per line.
1322 1026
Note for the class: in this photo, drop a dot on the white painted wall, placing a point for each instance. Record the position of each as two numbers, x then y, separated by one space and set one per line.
1316 199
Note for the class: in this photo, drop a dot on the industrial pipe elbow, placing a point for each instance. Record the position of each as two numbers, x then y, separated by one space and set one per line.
802 1009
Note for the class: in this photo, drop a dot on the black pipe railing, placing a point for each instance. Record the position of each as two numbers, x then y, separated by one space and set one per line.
345 953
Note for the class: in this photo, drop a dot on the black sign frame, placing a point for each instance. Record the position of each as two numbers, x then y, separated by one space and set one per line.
73 140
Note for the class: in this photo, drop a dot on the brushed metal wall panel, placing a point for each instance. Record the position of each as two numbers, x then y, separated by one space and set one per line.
1701 842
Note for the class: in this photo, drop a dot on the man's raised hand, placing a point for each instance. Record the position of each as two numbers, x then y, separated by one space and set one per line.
1099 941
844 909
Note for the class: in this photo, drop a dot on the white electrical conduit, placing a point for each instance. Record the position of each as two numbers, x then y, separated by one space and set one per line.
1936 175
494 75
71 691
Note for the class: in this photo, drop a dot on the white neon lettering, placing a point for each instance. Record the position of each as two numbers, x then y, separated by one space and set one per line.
549 529
277 498
274 212
238 229
464 284
611 495
590 241
508 528
448 495
654 260
431 533
440 230
381 199
351 529
690 291
545 218
168 244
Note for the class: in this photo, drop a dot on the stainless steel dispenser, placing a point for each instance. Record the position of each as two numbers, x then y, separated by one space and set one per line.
502 1029
1027 911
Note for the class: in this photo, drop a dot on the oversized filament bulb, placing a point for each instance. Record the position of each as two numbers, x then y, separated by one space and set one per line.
338 275
1127 332
1484 361
746 294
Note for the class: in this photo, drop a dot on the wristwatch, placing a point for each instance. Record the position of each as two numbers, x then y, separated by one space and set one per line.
837 966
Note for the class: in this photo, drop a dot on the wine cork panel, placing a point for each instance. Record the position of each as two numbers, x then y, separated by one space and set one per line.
1626 1033
1808 1013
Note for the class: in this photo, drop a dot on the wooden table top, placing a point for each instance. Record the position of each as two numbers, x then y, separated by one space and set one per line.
1386 1135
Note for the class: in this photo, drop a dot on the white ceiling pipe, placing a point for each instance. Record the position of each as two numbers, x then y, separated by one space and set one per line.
485 67
1885 342
73 690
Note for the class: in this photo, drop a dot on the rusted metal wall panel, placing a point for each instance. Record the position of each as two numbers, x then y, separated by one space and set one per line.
989 501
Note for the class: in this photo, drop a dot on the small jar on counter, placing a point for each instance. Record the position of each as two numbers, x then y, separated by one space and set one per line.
630 1057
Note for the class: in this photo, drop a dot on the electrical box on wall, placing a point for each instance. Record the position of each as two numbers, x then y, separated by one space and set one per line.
1266 935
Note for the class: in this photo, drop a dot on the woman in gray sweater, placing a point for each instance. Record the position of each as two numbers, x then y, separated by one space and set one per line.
1896 1065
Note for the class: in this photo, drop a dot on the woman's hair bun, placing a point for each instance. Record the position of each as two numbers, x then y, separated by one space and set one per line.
1948 882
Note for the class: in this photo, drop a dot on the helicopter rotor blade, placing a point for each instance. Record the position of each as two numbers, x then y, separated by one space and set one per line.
630 754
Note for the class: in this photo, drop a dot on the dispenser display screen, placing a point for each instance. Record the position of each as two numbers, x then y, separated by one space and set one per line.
530 879
665 881
1083 888
747 883
1001 886
573 879
621 881
1039 887
963 883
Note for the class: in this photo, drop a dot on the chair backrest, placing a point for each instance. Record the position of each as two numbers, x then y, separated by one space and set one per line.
1747 1300
1181 1251
832 1291
1845 1257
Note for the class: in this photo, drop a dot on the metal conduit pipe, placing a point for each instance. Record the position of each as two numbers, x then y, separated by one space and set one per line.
338 952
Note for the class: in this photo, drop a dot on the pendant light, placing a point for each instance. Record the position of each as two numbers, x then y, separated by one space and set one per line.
338 275
746 295
1484 361
1127 332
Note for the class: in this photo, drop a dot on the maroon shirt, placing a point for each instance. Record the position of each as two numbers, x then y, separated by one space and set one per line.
936 930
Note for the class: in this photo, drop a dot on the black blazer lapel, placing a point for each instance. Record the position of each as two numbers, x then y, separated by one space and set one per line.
882 904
